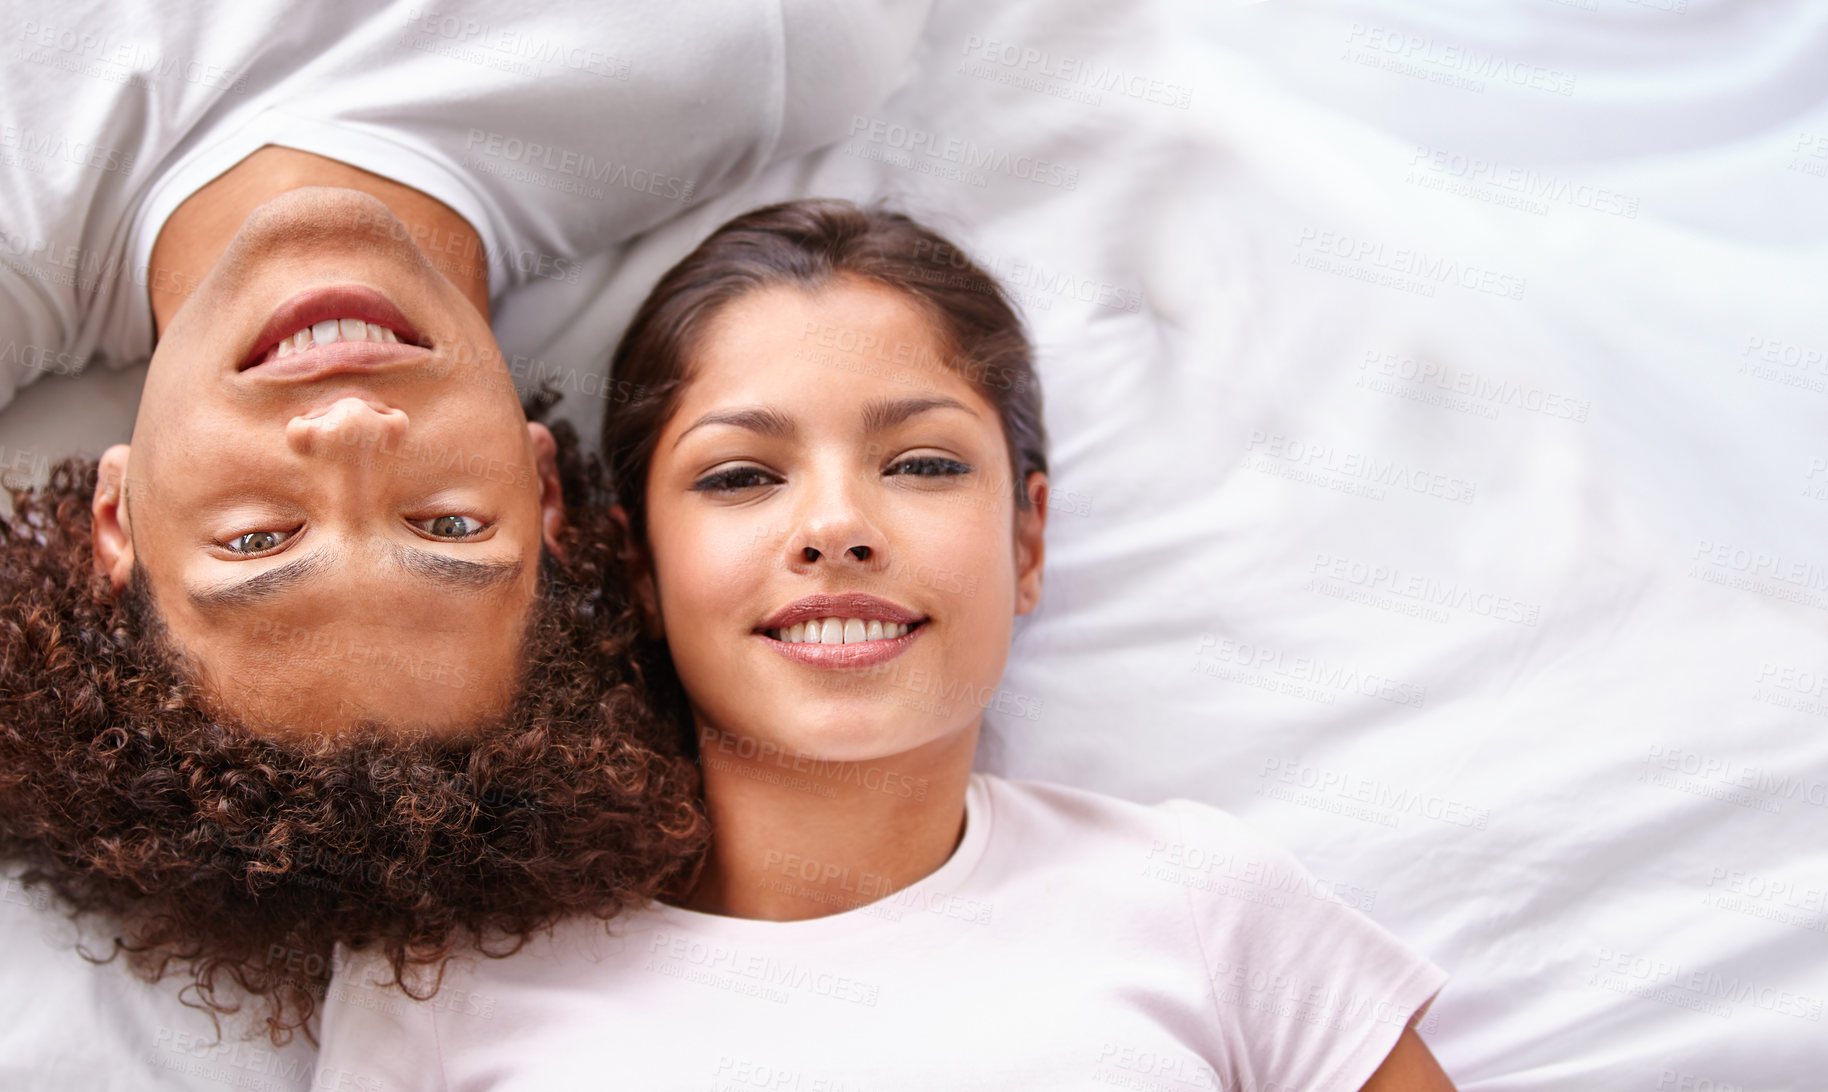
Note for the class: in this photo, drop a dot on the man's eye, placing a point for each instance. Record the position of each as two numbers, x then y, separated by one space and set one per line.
258 542
451 526
929 466
733 479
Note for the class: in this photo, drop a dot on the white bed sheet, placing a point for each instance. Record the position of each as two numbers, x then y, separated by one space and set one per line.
1437 404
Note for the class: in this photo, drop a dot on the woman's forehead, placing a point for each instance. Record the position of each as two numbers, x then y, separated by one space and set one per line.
852 329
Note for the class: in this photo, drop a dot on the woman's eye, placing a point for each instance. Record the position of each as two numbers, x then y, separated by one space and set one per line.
258 542
737 477
451 526
930 466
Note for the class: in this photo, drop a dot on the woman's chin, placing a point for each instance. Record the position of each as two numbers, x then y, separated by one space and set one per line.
849 730
865 736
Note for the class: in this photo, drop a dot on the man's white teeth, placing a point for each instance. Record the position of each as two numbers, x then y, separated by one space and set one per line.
839 631
331 331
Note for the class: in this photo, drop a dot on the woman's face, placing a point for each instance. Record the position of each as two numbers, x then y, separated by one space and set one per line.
824 482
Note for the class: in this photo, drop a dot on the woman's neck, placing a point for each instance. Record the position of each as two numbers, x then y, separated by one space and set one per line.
795 837
200 229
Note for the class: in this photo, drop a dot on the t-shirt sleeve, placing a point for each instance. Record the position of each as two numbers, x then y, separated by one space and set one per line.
1308 992
375 1038
33 341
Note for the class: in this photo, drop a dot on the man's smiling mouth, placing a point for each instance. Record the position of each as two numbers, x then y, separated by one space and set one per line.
349 323
329 332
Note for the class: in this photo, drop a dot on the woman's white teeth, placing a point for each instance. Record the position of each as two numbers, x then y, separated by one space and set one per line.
331 331
840 631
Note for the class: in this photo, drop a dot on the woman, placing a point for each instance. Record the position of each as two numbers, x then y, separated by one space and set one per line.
835 487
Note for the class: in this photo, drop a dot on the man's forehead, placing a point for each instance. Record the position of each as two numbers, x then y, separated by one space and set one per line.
327 654
273 669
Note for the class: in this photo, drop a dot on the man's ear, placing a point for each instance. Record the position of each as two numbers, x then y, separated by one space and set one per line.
1031 548
552 494
638 568
111 527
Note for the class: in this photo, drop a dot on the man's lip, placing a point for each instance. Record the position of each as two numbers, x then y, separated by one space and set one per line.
337 301
342 358
867 607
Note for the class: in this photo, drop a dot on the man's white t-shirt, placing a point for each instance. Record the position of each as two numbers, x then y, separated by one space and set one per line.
1071 941
555 129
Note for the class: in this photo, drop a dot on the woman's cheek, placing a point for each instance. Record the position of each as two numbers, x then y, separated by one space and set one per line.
707 569
728 549
972 576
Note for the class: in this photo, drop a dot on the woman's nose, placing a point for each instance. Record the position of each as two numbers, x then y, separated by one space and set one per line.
836 530
347 423
860 552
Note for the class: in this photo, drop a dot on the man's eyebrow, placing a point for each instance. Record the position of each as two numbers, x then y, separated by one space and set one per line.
473 576
760 419
456 572
885 413
262 586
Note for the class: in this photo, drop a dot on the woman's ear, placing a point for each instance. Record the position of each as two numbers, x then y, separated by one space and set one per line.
1031 548
552 494
110 525
639 571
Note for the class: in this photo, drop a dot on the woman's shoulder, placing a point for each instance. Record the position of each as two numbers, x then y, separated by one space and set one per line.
1174 834
1071 805
1288 955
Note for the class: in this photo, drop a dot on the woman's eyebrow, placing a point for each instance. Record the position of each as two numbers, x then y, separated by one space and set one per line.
882 414
879 415
760 419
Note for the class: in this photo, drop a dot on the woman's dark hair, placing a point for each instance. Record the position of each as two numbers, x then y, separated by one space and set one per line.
808 244
246 858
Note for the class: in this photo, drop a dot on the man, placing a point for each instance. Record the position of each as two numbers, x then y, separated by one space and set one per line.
345 669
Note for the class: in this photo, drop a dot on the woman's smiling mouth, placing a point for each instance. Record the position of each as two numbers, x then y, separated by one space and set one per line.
841 630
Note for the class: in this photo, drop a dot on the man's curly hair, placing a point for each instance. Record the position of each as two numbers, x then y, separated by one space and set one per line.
245 858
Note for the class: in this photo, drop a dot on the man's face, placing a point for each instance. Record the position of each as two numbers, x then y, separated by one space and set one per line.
332 492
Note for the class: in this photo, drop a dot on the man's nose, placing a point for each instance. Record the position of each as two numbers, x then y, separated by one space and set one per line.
346 424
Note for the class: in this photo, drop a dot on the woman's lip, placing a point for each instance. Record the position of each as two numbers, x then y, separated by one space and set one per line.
861 654
849 605
338 301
